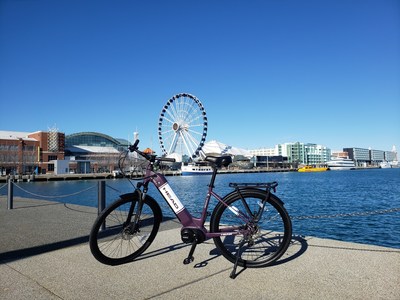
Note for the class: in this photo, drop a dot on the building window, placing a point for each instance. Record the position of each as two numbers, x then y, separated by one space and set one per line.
52 157
50 167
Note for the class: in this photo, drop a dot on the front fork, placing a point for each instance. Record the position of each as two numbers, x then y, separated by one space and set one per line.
136 211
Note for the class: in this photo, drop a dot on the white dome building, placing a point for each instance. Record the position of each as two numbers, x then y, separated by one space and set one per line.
217 148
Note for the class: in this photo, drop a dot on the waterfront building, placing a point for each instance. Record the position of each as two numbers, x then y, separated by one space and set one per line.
307 154
52 152
361 156
377 156
358 154
270 161
339 154
88 142
370 157
314 154
295 153
264 152
317 154
214 147
26 153
101 150
391 156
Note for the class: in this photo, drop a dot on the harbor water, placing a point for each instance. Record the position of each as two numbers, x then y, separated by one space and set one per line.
360 206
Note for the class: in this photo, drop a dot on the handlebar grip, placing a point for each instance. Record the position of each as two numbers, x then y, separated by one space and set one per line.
134 146
167 159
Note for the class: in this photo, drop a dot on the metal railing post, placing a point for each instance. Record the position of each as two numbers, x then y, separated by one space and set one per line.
10 195
101 200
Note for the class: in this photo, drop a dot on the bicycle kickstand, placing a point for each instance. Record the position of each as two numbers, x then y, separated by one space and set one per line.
238 254
190 257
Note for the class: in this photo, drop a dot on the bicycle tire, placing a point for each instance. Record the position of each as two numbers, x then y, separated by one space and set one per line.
119 243
265 246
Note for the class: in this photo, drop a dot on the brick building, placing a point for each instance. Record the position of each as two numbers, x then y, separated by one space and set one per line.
26 153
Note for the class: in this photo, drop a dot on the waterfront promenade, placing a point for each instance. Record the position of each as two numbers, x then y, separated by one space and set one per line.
100 176
44 254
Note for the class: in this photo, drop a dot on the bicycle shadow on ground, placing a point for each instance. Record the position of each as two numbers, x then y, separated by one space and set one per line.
23 203
14 255
45 246
298 246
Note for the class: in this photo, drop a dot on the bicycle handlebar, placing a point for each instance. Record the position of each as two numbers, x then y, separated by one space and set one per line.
168 159
135 148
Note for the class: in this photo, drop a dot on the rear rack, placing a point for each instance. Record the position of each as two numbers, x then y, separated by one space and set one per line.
267 185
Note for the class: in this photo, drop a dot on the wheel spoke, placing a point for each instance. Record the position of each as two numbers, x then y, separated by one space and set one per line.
266 239
121 241
174 141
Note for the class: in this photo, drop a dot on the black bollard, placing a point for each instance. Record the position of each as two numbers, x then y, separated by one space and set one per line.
101 200
10 195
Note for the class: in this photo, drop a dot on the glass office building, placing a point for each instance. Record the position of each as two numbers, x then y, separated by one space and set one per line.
101 150
95 139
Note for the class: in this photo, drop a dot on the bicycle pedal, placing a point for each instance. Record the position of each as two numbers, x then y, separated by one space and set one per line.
188 260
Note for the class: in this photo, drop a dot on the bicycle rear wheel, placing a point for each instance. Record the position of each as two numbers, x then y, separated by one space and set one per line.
268 238
121 241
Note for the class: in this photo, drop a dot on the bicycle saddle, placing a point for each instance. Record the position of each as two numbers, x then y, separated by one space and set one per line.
219 161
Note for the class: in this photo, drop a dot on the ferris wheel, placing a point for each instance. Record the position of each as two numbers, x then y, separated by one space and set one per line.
182 126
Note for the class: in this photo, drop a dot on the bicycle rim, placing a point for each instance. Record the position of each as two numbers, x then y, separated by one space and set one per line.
121 242
271 234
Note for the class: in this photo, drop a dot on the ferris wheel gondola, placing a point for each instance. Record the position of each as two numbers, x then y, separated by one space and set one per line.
182 127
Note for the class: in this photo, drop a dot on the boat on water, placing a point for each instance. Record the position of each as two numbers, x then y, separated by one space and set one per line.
196 169
341 163
312 169
385 165
395 164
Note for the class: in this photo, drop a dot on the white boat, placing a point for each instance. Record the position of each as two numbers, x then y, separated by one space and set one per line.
385 165
196 169
341 163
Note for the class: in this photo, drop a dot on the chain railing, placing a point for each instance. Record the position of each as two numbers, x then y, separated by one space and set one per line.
3 186
54 196
10 194
304 225
352 214
101 202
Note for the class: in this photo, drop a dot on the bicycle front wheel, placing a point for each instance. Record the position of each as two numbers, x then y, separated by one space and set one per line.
115 239
259 242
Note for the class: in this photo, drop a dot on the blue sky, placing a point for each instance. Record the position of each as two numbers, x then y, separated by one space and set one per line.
267 72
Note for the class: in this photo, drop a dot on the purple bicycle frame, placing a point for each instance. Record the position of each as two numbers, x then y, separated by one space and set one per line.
185 218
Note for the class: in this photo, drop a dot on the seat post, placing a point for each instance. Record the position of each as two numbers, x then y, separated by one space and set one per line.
214 174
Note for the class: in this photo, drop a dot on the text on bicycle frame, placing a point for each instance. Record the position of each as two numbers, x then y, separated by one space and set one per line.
171 198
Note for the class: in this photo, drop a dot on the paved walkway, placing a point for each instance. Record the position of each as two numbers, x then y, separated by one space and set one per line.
44 255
